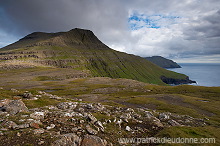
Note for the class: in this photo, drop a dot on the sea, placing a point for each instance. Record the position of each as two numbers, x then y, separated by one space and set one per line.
205 74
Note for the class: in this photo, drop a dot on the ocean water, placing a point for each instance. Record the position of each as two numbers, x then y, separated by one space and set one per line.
205 74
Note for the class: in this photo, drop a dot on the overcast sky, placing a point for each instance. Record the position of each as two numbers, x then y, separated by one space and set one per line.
182 30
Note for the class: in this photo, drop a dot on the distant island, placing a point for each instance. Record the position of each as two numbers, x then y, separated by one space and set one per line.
163 62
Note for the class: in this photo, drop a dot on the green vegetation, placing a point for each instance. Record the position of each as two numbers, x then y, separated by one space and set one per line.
81 50
191 132
64 67
162 62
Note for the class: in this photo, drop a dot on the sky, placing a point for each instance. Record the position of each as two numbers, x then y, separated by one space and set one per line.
185 31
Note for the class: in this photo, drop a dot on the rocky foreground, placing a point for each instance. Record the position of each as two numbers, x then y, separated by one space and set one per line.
75 122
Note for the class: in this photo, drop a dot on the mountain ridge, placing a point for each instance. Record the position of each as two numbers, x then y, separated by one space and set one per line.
163 62
81 50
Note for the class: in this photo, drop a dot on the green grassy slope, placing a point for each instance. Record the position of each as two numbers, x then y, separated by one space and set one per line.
82 50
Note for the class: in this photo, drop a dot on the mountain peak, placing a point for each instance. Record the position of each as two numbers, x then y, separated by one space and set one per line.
76 36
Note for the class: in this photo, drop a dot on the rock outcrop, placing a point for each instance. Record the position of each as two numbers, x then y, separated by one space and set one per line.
174 81
80 123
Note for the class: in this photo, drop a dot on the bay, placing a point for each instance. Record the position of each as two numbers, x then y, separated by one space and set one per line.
205 74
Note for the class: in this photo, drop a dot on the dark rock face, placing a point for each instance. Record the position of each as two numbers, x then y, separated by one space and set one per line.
176 81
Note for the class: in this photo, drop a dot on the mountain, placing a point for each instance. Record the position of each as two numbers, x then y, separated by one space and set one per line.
50 95
163 62
84 55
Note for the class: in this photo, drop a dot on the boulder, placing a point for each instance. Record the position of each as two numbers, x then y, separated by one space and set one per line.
91 140
91 130
13 106
69 139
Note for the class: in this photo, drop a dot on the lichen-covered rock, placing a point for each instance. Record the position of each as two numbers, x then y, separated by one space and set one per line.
8 124
127 128
91 140
69 139
37 115
38 131
91 118
51 126
174 123
22 126
13 106
91 130
157 123
148 114
164 116
67 105
27 95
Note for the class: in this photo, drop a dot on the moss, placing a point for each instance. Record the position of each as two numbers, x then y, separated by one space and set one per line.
41 102
191 132
44 78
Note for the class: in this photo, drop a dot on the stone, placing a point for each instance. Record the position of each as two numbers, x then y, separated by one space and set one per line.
18 134
9 124
67 105
27 95
91 140
119 122
34 125
91 130
99 106
41 142
174 123
51 126
38 131
69 139
99 124
127 128
37 115
157 123
164 116
149 115
4 102
62 105
22 126
89 106
125 116
14 90
1 133
13 106
91 118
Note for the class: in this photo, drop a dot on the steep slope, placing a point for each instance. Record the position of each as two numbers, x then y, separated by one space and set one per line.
163 62
81 50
